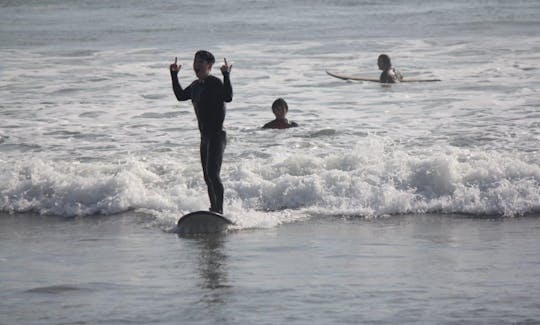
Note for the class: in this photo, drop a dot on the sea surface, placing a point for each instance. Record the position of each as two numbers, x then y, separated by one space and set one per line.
406 203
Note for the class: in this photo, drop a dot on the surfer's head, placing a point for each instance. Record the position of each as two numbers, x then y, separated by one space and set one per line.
384 62
202 63
280 108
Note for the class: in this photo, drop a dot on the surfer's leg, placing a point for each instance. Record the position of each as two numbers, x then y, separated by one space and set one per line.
216 149
204 148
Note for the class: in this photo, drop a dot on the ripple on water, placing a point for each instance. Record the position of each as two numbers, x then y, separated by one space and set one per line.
160 115
56 289
92 114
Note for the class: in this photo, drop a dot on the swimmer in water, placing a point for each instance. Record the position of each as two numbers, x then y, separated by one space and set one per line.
389 74
280 109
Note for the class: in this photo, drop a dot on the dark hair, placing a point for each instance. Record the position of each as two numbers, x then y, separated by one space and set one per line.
278 103
206 56
386 60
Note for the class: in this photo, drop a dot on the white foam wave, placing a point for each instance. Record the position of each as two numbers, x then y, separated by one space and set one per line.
76 189
372 180
375 180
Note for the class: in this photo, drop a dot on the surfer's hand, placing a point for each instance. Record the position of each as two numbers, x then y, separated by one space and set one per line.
226 67
175 67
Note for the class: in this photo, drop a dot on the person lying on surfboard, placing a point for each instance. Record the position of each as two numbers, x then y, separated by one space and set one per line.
280 109
389 74
208 95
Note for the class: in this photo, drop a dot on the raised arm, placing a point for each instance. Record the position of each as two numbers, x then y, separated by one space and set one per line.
228 92
181 94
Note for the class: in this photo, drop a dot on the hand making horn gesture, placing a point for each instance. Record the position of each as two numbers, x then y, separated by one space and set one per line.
226 67
175 67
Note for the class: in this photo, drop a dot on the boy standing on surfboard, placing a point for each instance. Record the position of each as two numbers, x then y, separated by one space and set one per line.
389 74
208 95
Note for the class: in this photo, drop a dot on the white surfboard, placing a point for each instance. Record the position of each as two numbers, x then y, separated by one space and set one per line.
202 222
361 78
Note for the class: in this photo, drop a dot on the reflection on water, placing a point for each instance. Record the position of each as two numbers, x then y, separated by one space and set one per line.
212 262
212 270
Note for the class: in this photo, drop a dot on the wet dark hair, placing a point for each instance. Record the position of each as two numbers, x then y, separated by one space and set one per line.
206 56
278 103
385 59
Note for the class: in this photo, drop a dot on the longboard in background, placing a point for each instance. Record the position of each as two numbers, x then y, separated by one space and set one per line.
202 222
361 78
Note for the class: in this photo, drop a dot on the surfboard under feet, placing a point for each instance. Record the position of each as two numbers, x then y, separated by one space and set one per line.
202 222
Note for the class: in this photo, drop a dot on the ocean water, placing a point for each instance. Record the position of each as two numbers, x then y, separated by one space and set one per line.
96 153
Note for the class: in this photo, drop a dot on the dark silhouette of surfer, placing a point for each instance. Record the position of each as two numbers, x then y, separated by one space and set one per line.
208 95
389 74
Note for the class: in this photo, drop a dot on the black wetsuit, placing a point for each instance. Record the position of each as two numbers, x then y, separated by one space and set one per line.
208 98
390 76
279 124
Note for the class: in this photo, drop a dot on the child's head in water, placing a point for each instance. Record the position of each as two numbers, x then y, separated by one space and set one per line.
280 108
384 62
